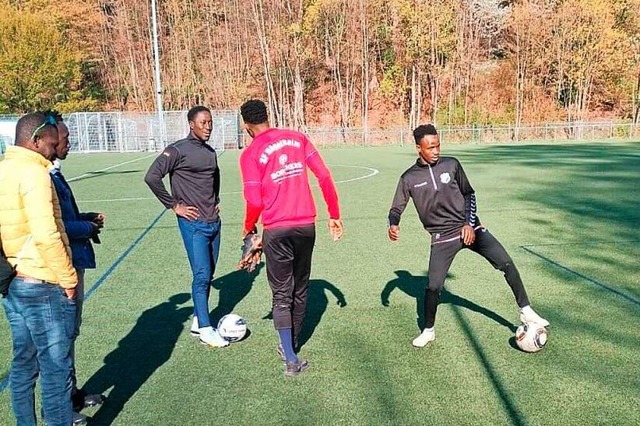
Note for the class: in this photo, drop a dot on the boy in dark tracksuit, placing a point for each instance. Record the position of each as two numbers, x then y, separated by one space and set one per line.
446 205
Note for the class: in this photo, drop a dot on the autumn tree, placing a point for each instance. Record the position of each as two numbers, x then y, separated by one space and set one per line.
38 68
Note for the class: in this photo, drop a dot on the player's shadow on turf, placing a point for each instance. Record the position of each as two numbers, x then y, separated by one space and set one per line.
232 288
317 304
414 286
139 354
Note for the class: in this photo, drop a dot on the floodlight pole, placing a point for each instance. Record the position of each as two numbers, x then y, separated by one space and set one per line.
156 60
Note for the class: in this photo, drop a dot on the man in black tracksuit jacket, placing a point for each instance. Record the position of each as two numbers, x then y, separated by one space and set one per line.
446 205
192 166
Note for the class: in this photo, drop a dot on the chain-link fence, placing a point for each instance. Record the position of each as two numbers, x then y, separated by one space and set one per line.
128 131
123 132
575 131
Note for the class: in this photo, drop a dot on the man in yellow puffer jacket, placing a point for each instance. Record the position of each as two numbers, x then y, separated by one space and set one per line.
40 304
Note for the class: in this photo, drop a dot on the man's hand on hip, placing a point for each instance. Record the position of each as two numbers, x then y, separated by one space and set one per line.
468 235
187 212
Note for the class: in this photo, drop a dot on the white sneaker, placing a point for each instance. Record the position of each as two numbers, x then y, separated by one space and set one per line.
428 335
528 315
209 336
195 328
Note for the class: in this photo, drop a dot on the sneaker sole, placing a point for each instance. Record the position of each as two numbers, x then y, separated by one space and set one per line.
423 345
303 368
213 346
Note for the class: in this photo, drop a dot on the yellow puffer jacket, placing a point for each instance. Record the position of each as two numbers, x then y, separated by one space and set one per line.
30 219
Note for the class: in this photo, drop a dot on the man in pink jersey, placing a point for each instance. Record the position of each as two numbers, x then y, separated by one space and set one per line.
276 186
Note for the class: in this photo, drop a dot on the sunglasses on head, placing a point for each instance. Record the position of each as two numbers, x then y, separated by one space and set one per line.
48 119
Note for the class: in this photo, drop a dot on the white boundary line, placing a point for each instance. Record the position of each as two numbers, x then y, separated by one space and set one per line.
371 169
111 167
372 172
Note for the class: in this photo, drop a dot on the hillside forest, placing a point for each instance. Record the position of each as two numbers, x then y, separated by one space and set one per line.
348 63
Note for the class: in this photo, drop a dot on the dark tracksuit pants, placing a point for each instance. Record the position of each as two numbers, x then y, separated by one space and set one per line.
486 245
288 253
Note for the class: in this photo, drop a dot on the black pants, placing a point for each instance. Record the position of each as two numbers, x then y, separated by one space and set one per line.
487 246
288 252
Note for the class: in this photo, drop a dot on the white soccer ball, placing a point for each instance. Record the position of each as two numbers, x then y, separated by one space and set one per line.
531 337
232 327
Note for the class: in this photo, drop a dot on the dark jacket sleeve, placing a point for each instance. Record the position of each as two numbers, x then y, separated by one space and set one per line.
470 209
216 185
76 229
163 165
400 200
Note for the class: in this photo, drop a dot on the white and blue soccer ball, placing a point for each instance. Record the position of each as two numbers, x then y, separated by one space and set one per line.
232 327
531 337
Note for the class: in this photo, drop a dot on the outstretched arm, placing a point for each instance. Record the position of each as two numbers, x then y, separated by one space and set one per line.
400 200
328 188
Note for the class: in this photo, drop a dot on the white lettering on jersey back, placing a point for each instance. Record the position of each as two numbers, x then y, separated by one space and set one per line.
276 146
287 171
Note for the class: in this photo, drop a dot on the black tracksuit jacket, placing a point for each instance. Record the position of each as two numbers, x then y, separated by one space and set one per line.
442 195
193 170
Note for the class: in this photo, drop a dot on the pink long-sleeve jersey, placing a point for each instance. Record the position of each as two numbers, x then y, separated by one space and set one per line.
276 184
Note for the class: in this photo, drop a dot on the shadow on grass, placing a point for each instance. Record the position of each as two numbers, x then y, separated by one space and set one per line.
317 304
593 188
139 354
232 288
414 286
517 418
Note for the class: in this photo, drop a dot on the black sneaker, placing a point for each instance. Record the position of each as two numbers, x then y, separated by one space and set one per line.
78 419
92 400
81 399
293 369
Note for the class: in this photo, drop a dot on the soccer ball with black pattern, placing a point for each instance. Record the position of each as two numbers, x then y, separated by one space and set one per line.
232 327
531 337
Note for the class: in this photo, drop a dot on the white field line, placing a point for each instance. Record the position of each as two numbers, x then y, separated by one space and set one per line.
110 167
372 172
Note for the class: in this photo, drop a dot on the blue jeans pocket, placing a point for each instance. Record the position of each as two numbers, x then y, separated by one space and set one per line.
69 307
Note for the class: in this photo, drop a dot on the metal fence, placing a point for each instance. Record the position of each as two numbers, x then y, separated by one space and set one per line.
575 131
128 131
124 132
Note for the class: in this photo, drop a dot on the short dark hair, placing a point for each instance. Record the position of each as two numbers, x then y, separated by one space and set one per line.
191 115
254 111
422 131
28 123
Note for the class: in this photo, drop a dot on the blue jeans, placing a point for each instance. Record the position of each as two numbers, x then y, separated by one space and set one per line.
42 321
202 242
